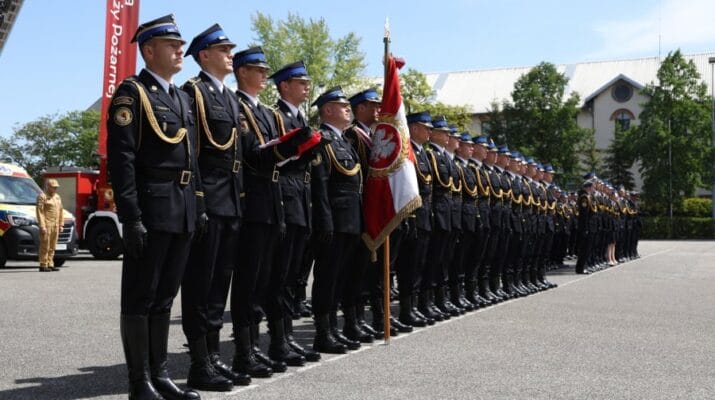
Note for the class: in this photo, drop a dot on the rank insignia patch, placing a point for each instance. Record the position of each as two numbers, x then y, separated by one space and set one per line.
122 101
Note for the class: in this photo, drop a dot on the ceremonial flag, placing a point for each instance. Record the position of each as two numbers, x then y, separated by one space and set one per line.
391 191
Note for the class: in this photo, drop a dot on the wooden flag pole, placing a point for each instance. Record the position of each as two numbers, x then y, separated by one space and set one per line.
386 245
386 287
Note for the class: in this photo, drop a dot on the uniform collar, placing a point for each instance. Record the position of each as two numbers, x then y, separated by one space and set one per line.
334 129
251 99
438 147
218 83
161 81
293 109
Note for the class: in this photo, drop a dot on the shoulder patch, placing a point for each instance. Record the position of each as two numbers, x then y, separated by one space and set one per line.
123 116
122 101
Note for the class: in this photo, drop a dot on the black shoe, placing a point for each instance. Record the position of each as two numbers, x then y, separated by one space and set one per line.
420 315
310 355
275 365
202 375
351 328
135 340
324 342
402 328
244 361
279 351
158 342
367 328
349 344
214 350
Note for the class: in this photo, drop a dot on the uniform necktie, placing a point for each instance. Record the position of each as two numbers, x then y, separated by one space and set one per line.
227 96
301 119
174 96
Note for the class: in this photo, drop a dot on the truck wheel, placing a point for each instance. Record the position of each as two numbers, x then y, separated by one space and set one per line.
103 241
3 255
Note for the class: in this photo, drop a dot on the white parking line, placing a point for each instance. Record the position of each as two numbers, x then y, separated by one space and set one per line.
256 383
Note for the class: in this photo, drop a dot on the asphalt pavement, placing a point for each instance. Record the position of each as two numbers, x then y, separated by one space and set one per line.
641 330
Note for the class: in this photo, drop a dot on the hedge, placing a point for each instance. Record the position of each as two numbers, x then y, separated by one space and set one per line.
683 228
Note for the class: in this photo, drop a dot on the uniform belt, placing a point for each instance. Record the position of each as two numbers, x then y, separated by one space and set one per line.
353 187
304 175
182 176
227 165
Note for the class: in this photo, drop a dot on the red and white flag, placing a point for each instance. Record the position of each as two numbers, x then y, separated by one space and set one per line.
391 192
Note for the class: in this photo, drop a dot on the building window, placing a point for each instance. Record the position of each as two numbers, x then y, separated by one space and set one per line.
623 118
622 92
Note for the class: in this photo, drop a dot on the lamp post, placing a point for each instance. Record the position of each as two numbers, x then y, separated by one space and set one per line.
711 60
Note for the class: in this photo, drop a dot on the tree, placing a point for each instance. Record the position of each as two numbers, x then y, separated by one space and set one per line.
415 90
541 122
417 95
54 141
619 160
329 62
591 158
677 116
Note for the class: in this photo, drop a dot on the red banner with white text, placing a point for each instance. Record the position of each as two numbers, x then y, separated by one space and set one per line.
120 56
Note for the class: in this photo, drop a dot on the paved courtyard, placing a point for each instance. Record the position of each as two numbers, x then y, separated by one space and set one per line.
642 330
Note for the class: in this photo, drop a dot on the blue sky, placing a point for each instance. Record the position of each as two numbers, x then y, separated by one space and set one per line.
52 62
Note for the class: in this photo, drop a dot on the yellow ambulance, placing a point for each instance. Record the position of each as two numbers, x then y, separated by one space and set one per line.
19 233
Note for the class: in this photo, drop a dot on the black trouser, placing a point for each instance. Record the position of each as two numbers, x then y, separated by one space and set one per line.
331 259
411 261
584 250
450 264
150 283
256 246
204 279
376 271
469 255
435 258
481 262
272 277
297 239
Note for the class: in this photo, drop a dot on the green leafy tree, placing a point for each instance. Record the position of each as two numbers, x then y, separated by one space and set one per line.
415 90
54 141
329 61
591 158
618 160
677 116
541 121
417 96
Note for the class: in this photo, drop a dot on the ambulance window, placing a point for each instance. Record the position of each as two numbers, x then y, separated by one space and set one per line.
14 190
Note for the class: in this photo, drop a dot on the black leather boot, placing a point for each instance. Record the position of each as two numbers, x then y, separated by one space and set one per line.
402 328
378 319
417 313
310 355
244 361
338 335
324 341
484 291
407 316
261 357
214 349
135 340
424 305
279 349
362 323
202 375
158 342
352 330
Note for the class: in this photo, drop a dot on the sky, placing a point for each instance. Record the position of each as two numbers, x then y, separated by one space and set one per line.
52 61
